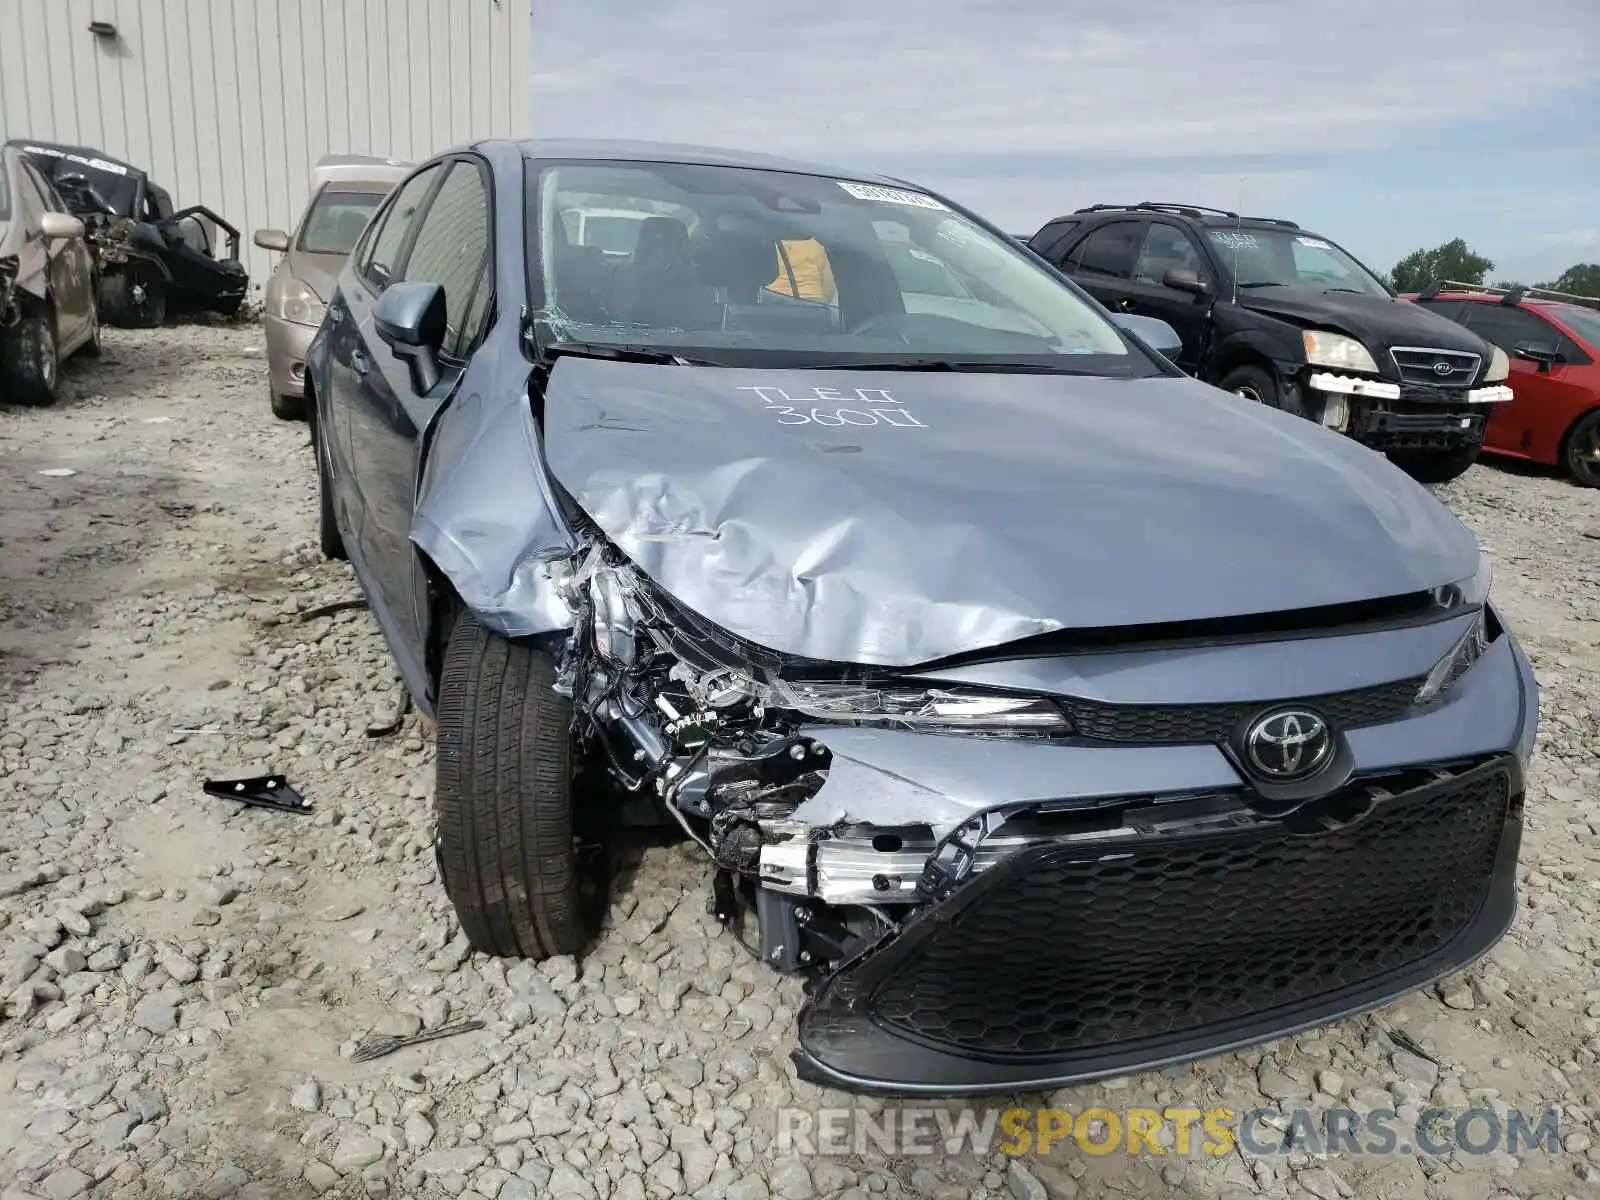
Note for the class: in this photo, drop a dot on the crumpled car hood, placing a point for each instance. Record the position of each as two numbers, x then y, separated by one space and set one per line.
1375 320
895 518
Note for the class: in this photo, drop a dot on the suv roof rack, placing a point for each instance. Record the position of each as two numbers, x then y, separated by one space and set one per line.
1197 211
1511 296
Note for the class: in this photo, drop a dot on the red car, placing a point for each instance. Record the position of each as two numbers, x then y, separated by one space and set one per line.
1553 341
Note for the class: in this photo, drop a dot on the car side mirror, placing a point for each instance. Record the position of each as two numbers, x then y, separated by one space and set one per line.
1186 279
1152 331
60 227
272 239
1542 353
410 318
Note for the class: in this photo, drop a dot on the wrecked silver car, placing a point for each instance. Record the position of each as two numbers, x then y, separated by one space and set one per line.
1047 730
47 285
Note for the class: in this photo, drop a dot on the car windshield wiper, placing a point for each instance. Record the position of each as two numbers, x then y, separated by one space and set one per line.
1265 283
623 353
945 364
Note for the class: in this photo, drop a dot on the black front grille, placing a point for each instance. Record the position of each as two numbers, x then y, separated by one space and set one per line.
1157 724
1435 367
1076 948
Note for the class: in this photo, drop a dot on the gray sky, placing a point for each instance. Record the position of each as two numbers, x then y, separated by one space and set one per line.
1384 124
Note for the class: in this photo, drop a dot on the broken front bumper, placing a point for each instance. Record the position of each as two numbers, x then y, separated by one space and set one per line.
1172 926
1069 962
1392 416
287 344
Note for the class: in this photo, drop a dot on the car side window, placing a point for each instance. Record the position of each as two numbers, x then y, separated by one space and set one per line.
1509 327
1109 250
34 196
381 256
452 250
1452 310
1047 243
1166 247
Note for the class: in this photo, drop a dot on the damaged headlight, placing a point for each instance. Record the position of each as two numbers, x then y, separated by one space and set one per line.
931 709
1458 662
1324 349
1471 645
1499 366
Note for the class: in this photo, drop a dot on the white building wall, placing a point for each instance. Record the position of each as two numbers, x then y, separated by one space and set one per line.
229 103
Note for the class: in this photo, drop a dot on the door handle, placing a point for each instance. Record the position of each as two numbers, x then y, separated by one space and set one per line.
359 362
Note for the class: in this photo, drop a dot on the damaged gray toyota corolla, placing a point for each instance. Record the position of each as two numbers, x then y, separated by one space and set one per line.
1055 714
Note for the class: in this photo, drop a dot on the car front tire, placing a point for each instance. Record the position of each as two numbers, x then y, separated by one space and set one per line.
29 361
134 299
508 839
286 408
1436 466
1580 450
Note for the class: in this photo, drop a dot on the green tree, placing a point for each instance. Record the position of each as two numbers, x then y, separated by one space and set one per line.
1453 260
1580 279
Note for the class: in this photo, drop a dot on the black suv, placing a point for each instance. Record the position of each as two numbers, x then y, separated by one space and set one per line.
1279 315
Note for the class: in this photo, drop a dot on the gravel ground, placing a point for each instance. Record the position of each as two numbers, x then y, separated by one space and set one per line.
184 981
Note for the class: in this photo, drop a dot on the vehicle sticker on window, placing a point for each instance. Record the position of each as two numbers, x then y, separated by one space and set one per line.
1314 243
869 406
1235 239
99 164
889 195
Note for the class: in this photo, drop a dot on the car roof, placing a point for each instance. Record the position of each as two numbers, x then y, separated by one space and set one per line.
1492 298
622 150
359 168
58 149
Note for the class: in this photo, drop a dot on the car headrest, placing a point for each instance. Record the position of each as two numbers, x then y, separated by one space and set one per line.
737 260
661 239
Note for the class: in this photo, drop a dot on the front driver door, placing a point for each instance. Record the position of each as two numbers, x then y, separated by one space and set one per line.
388 418
69 268
1165 248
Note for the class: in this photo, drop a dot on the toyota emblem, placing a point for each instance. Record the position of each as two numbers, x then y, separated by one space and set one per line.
1442 367
1287 744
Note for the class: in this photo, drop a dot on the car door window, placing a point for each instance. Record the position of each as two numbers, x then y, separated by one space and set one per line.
1509 327
1047 243
1165 247
33 195
381 256
1109 250
452 250
1451 310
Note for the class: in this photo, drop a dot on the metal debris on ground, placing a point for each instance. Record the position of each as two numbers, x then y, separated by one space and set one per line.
327 610
380 1045
1409 1044
262 791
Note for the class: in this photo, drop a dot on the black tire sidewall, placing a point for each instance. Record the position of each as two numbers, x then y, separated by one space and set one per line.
504 783
1258 380
33 359
329 538
1580 429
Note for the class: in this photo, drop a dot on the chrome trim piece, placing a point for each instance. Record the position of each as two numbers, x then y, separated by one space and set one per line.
1348 385
1464 367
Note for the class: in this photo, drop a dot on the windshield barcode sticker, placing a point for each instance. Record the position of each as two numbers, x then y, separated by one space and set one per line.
1235 240
889 195
99 164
